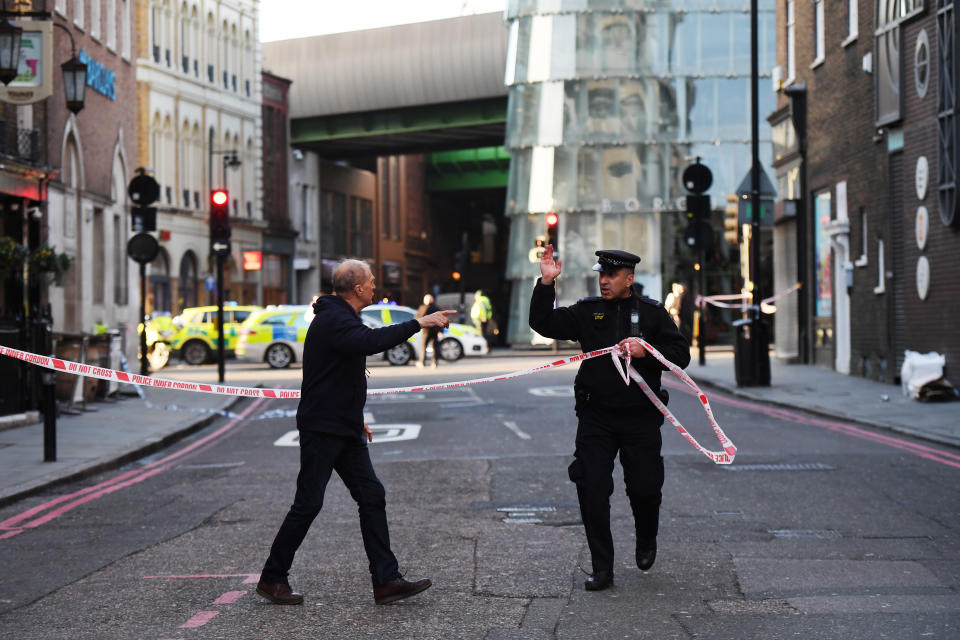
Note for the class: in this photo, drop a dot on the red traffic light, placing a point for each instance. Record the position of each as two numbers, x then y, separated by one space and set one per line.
552 219
219 197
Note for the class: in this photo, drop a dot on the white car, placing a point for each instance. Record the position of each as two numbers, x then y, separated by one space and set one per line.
456 341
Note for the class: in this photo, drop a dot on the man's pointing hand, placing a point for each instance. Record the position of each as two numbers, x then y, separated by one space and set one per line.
437 319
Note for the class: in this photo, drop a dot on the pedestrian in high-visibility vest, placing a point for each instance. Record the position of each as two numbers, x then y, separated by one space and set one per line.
481 312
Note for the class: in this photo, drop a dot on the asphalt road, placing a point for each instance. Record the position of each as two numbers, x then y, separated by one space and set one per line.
818 530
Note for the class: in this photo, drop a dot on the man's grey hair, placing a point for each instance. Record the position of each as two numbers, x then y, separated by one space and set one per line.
349 274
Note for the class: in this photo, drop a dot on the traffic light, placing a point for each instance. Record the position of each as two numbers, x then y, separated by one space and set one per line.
553 224
731 224
219 217
698 207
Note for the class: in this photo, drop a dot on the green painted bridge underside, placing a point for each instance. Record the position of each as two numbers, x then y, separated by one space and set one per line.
468 169
453 125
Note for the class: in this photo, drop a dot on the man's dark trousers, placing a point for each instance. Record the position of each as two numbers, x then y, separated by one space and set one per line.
601 433
321 454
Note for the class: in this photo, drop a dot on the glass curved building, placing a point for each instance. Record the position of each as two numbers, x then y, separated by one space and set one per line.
609 101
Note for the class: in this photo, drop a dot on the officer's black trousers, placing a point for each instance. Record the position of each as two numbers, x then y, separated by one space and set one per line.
601 433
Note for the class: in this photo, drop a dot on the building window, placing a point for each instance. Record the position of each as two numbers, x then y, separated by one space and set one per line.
119 262
78 13
305 225
361 227
852 20
791 41
921 64
818 31
95 19
822 212
110 37
125 30
99 258
887 74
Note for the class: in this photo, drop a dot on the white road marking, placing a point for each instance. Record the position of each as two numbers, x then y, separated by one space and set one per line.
381 433
368 417
513 427
552 392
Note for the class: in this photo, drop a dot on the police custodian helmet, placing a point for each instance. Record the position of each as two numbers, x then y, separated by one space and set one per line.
613 259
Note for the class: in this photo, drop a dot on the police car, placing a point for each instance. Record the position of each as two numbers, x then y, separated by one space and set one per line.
275 335
196 336
455 342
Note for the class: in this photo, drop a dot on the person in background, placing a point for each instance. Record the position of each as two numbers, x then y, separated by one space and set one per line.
481 312
430 336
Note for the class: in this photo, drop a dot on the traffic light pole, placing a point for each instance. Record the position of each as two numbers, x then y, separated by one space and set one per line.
701 293
463 279
144 363
220 259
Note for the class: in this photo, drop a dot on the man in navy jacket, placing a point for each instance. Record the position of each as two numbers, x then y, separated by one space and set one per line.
333 436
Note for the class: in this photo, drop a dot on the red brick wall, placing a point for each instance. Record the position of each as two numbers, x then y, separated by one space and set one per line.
101 118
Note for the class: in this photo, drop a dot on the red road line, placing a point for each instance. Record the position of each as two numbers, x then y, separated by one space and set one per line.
930 453
121 481
200 619
230 597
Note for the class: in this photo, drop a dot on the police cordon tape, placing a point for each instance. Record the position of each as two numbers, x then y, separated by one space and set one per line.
765 304
720 457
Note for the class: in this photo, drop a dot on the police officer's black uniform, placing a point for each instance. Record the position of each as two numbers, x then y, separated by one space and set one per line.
613 416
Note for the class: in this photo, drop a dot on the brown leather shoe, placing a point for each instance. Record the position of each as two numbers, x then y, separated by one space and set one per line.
399 589
278 593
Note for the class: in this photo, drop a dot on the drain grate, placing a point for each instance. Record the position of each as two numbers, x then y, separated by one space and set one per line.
797 466
524 515
821 534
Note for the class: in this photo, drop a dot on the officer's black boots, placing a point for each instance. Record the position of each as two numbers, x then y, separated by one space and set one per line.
599 581
646 552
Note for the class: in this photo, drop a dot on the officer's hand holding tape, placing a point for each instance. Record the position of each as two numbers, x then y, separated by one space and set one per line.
632 347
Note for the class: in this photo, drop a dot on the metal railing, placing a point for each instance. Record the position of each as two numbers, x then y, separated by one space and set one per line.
22 144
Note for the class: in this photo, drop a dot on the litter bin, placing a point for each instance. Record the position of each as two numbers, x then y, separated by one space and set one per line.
98 353
750 371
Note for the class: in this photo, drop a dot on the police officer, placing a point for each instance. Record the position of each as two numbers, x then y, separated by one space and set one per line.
613 417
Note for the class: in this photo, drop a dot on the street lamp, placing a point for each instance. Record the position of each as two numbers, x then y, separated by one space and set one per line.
9 49
74 76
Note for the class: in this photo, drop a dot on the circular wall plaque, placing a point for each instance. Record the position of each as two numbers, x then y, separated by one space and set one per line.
921 177
923 277
922 227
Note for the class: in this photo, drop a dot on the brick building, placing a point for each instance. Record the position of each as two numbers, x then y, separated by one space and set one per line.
279 238
860 177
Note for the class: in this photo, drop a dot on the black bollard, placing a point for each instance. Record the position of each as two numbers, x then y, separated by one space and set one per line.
49 400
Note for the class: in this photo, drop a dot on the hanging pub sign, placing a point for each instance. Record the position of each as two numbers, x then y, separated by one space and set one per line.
34 81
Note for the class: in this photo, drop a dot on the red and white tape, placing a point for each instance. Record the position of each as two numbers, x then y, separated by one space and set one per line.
720 457
76 368
765 304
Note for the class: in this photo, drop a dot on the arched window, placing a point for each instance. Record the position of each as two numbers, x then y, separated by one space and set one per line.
159 283
248 167
183 35
210 50
187 171
71 181
188 280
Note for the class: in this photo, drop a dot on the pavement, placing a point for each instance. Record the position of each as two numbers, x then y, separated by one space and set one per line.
112 433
